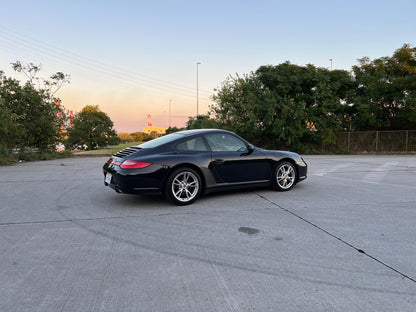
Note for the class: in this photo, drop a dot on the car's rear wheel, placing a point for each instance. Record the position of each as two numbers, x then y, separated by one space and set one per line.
183 186
285 176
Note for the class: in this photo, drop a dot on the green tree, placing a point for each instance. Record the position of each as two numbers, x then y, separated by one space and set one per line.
239 103
137 136
285 105
46 89
173 129
92 127
386 93
201 122
37 119
9 129
153 135
125 137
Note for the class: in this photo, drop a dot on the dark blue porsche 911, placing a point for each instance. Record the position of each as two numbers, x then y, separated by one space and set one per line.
184 165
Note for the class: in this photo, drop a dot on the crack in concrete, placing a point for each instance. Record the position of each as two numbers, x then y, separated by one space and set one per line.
338 238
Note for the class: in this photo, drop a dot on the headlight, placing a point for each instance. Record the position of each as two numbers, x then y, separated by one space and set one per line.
301 162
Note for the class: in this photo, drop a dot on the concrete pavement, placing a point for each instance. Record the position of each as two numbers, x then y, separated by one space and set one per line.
342 240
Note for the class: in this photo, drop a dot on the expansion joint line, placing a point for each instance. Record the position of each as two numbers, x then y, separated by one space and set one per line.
338 238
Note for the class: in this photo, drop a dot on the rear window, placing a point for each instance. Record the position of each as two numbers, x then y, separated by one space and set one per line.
162 140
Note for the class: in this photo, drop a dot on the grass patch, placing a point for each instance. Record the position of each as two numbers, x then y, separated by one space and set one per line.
7 160
11 158
106 151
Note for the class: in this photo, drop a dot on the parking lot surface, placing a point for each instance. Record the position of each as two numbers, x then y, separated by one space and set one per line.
342 240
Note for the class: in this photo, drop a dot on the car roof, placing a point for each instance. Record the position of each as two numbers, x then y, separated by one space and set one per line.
201 131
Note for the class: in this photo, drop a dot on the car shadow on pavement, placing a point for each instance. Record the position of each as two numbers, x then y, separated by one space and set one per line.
154 202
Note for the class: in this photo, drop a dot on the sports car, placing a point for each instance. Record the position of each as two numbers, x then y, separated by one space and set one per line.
187 164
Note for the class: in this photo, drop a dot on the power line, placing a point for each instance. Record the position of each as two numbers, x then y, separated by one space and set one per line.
15 42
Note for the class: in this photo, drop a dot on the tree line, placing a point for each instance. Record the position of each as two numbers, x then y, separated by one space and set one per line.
33 119
139 136
29 115
298 107
282 106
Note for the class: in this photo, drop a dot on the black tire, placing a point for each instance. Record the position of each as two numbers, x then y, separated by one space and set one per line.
285 176
183 186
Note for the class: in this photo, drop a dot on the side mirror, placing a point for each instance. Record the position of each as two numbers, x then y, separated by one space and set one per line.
250 148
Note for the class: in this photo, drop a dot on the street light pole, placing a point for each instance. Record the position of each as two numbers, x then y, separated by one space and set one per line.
169 113
197 104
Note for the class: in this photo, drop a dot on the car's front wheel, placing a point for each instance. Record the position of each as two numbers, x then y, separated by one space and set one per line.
183 186
285 176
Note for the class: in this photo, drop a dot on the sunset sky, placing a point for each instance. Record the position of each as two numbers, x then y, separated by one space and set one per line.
132 57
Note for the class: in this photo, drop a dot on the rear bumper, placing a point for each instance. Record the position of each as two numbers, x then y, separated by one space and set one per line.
135 181
133 185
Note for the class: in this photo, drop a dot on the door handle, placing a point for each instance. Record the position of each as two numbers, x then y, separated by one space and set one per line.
219 161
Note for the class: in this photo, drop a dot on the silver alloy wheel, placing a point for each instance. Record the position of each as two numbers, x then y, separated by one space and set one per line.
185 186
285 176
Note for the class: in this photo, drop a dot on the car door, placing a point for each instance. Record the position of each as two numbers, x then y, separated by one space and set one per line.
232 162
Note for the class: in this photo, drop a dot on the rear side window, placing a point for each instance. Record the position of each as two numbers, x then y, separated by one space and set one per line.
224 142
195 145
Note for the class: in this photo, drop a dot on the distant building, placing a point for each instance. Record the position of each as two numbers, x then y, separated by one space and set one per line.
149 129
158 130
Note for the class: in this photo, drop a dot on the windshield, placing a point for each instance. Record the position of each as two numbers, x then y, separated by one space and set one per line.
160 141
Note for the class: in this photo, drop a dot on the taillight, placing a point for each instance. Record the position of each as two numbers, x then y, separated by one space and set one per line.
113 162
132 164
